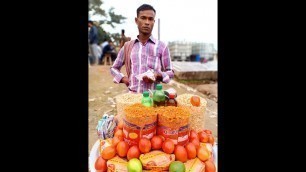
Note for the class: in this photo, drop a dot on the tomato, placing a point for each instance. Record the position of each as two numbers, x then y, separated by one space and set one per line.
120 124
119 133
133 152
207 131
195 101
195 142
100 164
168 146
108 152
144 145
116 140
191 150
210 166
180 153
162 137
203 137
203 154
211 139
122 148
156 142
193 135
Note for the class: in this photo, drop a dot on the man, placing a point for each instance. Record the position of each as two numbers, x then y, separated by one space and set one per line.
93 41
147 53
109 48
123 38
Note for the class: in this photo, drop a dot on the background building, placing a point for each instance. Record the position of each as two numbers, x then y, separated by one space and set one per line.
187 51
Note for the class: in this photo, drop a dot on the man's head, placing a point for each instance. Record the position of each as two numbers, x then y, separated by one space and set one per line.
145 19
90 23
122 32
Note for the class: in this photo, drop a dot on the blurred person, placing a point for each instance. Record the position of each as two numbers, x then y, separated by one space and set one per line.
110 49
123 38
146 53
93 41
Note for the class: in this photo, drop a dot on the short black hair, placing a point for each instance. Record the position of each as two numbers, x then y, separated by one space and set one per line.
144 7
122 31
91 22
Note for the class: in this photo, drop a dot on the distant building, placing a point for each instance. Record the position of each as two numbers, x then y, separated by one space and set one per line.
205 50
182 51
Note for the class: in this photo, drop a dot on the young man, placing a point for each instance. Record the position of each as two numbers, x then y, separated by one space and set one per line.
147 53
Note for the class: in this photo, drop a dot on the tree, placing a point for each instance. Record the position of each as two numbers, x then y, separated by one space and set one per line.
95 6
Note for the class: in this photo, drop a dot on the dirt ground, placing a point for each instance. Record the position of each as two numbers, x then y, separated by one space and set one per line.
102 91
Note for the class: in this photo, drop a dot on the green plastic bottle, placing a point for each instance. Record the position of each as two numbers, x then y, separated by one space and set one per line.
159 96
146 99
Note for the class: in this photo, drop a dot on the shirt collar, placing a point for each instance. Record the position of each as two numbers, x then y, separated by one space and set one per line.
151 38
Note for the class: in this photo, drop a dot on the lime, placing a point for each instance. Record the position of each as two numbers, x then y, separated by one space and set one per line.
177 166
134 165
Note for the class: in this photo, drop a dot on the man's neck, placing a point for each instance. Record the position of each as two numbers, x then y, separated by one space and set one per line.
143 38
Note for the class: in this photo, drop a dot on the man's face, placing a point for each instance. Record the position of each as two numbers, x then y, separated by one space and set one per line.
145 21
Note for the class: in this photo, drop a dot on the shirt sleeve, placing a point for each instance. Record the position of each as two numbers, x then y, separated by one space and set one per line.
115 69
167 72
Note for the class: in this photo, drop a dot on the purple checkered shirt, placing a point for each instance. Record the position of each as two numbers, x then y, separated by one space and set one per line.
154 54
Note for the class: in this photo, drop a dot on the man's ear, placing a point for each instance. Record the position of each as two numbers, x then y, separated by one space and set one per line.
136 20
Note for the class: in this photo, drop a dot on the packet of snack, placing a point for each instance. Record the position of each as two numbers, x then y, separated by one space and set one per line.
149 74
195 165
156 160
117 164
106 126
104 144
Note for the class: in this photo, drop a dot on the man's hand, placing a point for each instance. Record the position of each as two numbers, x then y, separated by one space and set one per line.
125 80
147 79
158 77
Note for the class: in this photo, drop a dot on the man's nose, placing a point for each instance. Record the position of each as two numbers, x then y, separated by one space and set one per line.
147 22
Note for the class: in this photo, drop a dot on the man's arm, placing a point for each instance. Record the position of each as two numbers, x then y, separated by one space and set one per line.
115 69
167 74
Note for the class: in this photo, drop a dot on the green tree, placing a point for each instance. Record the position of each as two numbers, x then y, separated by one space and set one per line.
111 18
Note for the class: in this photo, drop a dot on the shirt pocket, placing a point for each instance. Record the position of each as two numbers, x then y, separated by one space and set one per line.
153 62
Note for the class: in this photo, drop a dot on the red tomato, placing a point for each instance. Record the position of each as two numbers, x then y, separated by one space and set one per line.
133 152
180 153
191 150
195 101
144 145
193 135
156 142
168 146
100 164
203 137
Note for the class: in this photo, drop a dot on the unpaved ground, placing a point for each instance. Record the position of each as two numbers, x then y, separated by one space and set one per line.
102 90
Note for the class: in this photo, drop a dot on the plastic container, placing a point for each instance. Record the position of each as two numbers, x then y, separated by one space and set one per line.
146 99
159 96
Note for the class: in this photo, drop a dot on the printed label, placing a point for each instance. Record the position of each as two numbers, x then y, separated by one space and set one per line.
132 133
178 136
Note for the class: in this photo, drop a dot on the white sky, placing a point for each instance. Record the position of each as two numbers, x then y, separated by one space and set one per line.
180 20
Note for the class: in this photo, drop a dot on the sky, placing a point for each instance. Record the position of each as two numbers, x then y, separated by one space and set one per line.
180 20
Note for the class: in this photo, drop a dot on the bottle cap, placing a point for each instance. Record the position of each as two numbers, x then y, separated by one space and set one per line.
145 94
159 87
171 96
